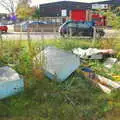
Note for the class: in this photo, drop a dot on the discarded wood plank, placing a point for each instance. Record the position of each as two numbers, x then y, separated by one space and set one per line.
105 84
104 88
108 82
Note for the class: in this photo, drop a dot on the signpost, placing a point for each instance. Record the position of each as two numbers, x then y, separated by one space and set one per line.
64 13
100 6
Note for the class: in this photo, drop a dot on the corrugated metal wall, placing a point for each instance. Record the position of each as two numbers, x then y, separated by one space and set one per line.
54 9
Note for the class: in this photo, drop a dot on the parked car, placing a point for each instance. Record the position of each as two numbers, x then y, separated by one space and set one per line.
36 22
3 28
24 26
79 28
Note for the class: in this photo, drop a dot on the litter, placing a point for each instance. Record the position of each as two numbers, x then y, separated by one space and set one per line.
106 85
116 77
92 53
59 64
10 82
110 62
108 82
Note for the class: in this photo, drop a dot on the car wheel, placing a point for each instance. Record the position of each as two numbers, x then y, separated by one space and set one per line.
62 34
1 32
98 35
5 31
80 34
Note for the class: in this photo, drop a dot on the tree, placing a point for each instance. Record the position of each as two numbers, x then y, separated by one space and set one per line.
36 13
23 10
113 17
23 3
24 13
9 5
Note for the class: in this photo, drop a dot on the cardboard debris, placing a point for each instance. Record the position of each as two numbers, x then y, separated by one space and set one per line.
110 62
10 82
59 64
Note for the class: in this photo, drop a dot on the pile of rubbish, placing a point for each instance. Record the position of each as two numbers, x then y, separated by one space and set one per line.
60 64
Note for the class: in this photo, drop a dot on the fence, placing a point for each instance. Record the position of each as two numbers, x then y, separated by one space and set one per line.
48 31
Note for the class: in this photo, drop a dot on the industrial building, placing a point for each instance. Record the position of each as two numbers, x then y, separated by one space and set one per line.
57 11
62 8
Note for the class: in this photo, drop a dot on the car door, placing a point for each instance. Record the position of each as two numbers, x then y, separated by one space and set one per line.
72 27
82 29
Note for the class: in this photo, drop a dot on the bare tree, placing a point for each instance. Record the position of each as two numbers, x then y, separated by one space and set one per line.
9 5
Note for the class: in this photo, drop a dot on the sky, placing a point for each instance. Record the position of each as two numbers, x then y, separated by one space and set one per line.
37 2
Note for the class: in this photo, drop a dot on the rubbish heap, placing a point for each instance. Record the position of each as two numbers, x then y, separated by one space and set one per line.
60 64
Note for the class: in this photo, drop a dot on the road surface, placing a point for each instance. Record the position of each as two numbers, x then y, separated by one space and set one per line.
48 35
33 36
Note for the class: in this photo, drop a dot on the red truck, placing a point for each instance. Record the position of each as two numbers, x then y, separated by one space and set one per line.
3 28
87 15
100 20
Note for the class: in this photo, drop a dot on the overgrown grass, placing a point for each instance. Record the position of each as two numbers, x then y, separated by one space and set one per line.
43 99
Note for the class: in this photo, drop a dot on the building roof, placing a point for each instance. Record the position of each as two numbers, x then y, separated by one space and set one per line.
110 2
67 4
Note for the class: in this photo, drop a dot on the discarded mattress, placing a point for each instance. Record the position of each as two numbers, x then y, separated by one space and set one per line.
10 82
59 64
92 53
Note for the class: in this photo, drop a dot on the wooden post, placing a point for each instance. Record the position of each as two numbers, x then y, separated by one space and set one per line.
21 32
1 42
0 35
70 30
42 34
94 35
54 30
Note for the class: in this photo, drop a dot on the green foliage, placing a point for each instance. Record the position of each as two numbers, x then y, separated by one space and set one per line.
23 13
23 10
113 17
36 13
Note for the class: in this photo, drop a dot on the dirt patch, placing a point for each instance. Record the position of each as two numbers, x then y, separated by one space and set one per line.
113 114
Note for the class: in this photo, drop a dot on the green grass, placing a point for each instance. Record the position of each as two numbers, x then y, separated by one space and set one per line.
44 99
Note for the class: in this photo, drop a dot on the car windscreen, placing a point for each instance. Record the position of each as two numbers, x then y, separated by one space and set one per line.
72 24
82 25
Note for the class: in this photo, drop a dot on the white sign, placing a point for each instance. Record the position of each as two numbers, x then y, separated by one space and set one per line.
99 6
64 13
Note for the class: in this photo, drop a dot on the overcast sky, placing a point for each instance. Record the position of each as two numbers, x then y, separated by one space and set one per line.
37 2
